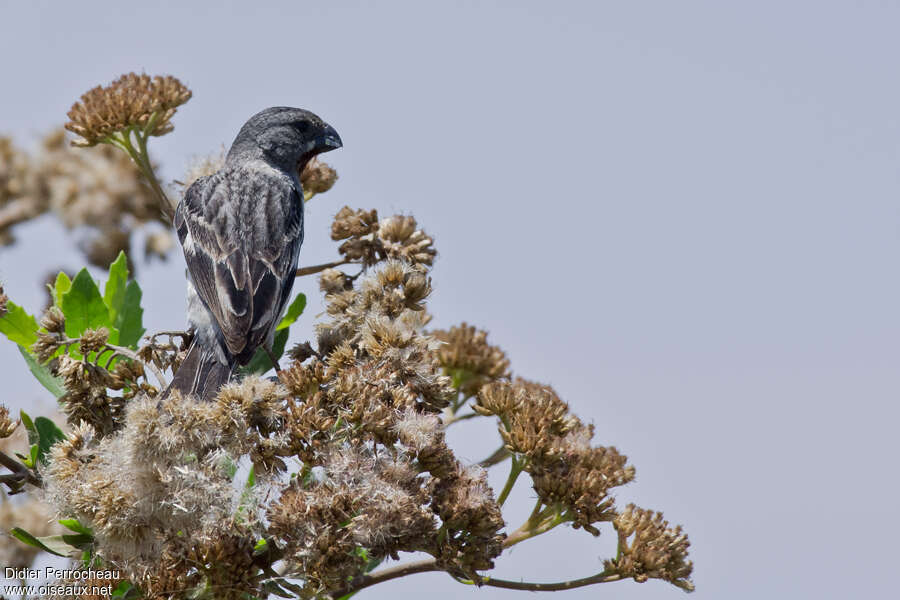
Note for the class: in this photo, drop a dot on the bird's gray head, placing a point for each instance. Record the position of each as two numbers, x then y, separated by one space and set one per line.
285 137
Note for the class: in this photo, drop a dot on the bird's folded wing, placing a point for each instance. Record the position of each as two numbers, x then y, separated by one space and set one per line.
241 234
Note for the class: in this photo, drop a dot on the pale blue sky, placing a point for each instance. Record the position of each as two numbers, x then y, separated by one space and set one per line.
683 215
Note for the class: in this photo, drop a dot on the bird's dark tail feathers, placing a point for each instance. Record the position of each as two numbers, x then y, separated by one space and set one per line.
201 374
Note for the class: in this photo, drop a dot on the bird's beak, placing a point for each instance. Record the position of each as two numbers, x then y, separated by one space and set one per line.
329 140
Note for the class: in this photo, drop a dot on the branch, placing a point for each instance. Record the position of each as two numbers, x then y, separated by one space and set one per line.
602 577
20 471
131 354
364 581
499 455
319 268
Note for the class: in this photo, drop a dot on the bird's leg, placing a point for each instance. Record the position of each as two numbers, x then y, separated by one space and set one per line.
271 356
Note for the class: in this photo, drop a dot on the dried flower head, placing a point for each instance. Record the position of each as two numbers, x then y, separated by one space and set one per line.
469 359
18 203
349 223
565 469
317 177
132 100
93 340
203 166
3 301
54 321
7 425
655 550
401 238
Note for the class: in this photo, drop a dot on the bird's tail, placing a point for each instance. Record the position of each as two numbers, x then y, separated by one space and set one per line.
201 374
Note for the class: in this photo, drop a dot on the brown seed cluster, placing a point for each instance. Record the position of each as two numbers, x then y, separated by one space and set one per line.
565 468
654 550
469 358
369 241
356 420
131 100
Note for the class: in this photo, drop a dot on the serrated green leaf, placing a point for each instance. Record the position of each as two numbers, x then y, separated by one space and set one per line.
42 373
19 326
48 434
260 362
76 526
294 310
62 285
130 316
25 537
83 306
114 291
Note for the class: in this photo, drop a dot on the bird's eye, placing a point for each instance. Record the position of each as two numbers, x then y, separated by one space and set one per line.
301 126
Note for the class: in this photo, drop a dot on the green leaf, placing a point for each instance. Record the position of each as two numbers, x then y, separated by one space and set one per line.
83 306
251 479
18 325
42 373
62 285
230 468
261 547
130 316
114 291
29 426
260 362
124 590
27 538
48 434
294 310
30 460
76 526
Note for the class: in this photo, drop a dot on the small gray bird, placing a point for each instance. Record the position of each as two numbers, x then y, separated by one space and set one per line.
241 229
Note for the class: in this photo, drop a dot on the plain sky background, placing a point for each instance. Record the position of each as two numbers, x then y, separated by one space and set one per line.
682 215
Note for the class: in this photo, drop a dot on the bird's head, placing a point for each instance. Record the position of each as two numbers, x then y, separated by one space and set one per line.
284 136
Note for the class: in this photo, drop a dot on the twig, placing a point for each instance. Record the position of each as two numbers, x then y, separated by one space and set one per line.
454 418
20 471
602 577
131 354
499 455
319 268
364 581
540 521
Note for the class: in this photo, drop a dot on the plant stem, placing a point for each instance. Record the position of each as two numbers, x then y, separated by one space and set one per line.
499 455
141 158
514 471
364 581
540 521
20 471
602 577
453 418
131 354
319 268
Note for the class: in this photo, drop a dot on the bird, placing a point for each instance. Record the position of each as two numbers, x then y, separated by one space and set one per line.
241 229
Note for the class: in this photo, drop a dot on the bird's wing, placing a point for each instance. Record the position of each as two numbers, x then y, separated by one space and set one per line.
241 230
